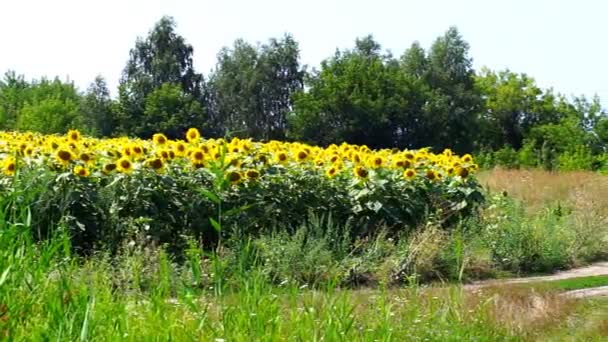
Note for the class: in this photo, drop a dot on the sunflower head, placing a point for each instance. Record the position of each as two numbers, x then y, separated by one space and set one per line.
197 156
409 173
9 166
302 155
376 162
467 158
180 148
252 174
331 171
463 172
137 150
155 163
281 157
124 165
108 168
431 175
73 135
234 177
361 172
81 171
193 135
86 157
159 139
64 155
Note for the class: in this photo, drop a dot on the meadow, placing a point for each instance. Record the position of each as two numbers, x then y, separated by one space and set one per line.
231 239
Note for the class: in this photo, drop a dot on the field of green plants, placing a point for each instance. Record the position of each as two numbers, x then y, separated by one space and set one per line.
231 239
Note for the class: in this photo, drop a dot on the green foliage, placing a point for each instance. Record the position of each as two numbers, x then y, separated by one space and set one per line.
170 111
506 156
163 57
523 242
46 106
355 97
252 87
164 208
98 110
579 159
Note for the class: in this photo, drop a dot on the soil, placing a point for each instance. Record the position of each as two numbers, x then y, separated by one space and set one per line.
600 268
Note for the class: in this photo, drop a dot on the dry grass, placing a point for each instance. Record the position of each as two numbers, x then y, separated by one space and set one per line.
537 188
525 311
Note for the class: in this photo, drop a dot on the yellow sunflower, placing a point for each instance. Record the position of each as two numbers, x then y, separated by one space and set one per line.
9 166
409 173
81 171
193 135
124 165
361 172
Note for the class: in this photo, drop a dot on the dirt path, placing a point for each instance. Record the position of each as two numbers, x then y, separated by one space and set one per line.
600 268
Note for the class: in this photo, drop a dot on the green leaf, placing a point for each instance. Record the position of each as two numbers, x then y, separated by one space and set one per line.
215 224
4 275
237 210
459 206
210 195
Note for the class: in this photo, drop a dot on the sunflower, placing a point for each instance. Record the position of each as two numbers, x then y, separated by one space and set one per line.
64 155
332 171
302 155
73 135
234 177
155 164
376 162
197 156
9 166
409 173
164 154
252 174
281 157
467 158
361 172
86 157
109 167
193 135
124 165
263 159
81 171
180 148
463 172
431 175
159 139
137 150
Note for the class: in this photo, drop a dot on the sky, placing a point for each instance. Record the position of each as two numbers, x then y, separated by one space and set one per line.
560 43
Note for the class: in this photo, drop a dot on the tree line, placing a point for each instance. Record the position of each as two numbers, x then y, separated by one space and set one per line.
363 95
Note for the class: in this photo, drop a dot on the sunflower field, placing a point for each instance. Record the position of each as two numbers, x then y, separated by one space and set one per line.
107 190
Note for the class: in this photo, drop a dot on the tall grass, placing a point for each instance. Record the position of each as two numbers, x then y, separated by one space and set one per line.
294 285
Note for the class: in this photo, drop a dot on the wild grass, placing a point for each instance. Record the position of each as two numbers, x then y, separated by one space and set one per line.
316 282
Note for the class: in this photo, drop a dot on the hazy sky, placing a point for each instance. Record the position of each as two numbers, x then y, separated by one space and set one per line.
561 43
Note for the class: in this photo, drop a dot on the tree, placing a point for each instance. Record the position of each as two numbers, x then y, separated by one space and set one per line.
513 105
169 110
97 109
355 97
414 126
13 95
163 57
51 107
252 87
453 103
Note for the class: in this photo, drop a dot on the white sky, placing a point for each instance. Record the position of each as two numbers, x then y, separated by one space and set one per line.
561 43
